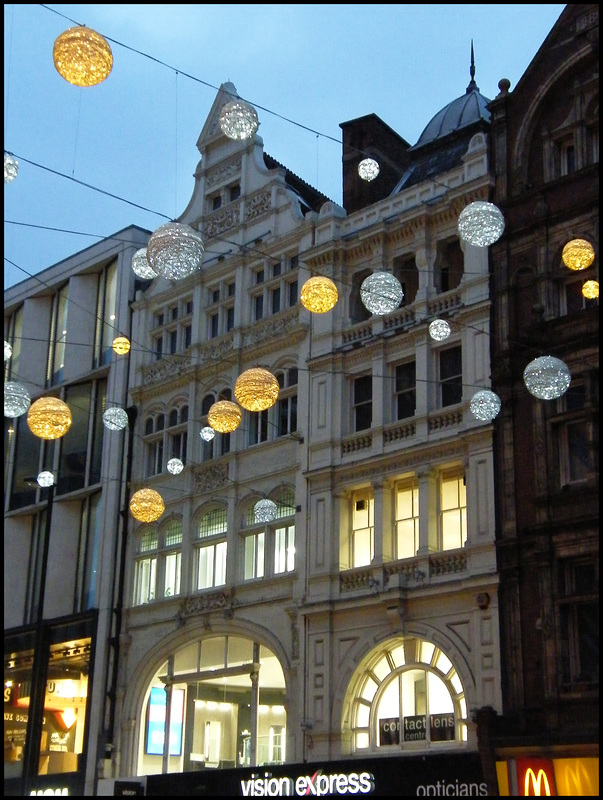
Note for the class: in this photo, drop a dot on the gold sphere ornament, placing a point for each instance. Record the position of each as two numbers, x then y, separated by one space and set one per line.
590 290
256 389
224 416
146 505
49 418
121 345
578 254
318 294
82 56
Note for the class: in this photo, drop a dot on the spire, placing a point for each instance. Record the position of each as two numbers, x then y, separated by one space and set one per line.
473 87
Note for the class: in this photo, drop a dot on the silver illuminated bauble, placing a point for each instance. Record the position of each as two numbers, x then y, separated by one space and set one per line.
8 350
45 479
11 167
175 466
116 419
265 511
16 399
238 120
481 224
439 330
175 251
547 378
368 169
141 266
485 405
207 433
381 292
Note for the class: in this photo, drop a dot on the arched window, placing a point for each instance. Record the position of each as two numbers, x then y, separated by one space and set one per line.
157 567
269 548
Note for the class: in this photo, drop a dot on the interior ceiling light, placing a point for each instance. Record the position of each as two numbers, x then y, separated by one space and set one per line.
82 56
175 251
45 479
146 505
590 290
485 405
481 224
49 418
115 419
547 377
224 416
256 389
207 433
265 511
578 254
368 169
381 292
16 399
8 350
141 266
11 167
318 294
439 330
175 466
238 120
121 345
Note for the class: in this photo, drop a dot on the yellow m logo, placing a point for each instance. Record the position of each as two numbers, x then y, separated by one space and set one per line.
537 782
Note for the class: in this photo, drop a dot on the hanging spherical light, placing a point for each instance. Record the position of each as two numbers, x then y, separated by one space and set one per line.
238 120
485 405
45 479
439 330
318 294
481 224
265 511
590 290
82 56
547 377
11 167
224 416
175 466
121 345
49 418
16 399
381 292
207 433
368 169
8 350
141 266
175 251
256 389
146 505
578 254
116 419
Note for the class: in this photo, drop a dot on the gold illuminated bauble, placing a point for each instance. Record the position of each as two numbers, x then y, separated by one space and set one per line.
318 294
121 345
49 418
578 254
82 56
256 389
590 290
146 505
224 416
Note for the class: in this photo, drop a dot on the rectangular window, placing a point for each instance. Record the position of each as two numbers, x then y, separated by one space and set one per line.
363 402
292 292
363 530
406 390
234 192
254 556
275 301
172 574
284 549
105 315
453 511
145 579
230 318
74 447
154 457
211 565
158 347
214 325
407 520
188 336
451 376
258 307
578 603
258 427
173 336
58 337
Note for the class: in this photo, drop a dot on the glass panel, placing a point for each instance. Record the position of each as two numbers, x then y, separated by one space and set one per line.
172 574
98 432
388 715
74 446
18 662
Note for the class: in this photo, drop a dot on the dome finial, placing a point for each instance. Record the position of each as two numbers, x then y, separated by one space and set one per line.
473 87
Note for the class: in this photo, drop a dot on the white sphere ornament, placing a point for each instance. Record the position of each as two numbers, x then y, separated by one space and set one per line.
265 511
485 405
175 466
8 350
16 399
368 169
175 251
481 224
115 419
141 266
547 378
207 433
439 330
381 293
11 167
238 120
45 479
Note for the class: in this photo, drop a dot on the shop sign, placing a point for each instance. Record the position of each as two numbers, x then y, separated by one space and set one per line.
535 777
441 729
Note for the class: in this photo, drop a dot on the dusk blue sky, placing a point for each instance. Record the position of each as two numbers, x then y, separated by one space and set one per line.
306 67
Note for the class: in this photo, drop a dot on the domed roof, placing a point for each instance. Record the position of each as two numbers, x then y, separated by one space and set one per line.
466 110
